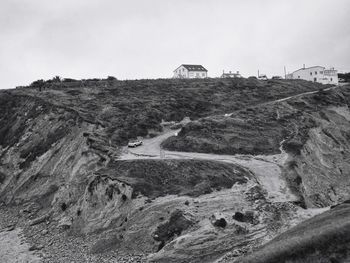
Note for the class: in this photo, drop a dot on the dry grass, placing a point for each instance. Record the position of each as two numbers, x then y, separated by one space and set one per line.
259 129
154 178
131 108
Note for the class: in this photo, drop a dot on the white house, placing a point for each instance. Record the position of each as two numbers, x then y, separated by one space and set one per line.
190 72
316 74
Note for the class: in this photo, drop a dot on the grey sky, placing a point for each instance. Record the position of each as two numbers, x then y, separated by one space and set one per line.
150 38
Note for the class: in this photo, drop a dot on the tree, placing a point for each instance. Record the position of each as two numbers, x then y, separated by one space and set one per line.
111 78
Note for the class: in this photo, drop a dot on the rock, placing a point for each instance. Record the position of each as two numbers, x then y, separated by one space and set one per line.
238 216
177 223
249 216
10 227
65 223
36 247
40 219
220 223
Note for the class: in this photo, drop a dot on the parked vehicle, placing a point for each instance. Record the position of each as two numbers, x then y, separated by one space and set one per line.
134 144
262 77
276 77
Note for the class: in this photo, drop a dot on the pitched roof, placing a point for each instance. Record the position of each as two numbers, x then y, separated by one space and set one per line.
194 67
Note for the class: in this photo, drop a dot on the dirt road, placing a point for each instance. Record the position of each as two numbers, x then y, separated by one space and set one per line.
267 169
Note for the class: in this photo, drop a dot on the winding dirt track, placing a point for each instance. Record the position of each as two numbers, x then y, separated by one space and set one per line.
267 169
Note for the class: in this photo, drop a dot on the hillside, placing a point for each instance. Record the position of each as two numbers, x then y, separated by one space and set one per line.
313 129
127 109
240 173
324 238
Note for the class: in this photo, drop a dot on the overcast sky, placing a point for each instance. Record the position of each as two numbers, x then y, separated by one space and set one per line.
149 38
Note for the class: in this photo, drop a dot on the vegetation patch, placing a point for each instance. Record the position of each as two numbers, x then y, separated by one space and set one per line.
128 109
2 177
154 178
259 129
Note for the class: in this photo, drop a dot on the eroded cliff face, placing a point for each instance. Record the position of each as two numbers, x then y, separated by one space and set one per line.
322 168
47 156
58 159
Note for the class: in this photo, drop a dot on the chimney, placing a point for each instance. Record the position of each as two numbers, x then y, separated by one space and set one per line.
303 66
237 72
230 71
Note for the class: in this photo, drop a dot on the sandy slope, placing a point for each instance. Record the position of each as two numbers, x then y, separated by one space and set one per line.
13 249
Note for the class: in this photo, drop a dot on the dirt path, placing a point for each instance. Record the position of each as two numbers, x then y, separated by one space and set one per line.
149 148
266 168
288 98
303 94
13 249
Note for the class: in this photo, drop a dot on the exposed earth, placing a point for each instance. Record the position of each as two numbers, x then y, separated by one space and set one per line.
230 170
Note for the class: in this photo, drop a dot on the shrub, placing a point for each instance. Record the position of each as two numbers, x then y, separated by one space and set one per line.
293 146
64 206
111 78
220 223
38 83
2 177
238 216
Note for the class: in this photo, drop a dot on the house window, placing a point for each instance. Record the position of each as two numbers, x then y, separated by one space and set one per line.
298 77
203 74
310 73
315 72
197 75
315 79
331 79
321 72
